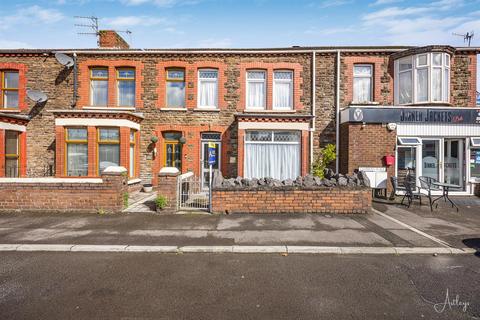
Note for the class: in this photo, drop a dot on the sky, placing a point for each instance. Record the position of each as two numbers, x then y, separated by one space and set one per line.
240 23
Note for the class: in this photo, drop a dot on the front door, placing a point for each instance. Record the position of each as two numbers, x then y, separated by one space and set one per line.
431 162
453 169
204 161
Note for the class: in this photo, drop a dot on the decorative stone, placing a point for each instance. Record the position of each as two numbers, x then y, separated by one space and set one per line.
365 181
342 181
288 182
299 181
328 173
217 179
261 182
318 181
228 183
309 181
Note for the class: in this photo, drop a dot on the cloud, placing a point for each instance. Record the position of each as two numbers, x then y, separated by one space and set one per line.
160 3
30 15
133 21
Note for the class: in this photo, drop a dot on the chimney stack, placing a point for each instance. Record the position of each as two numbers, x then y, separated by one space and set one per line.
112 40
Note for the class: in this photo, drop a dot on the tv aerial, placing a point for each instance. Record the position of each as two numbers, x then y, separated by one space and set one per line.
91 25
37 96
64 60
467 37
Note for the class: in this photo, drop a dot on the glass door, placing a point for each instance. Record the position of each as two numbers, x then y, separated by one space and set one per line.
204 162
453 169
406 163
431 158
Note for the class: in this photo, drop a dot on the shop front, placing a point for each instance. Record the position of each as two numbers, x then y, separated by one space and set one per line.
437 142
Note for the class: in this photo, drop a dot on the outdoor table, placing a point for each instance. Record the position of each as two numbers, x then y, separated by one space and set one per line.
445 187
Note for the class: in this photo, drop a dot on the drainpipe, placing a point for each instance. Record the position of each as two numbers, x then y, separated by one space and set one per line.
337 115
75 76
314 98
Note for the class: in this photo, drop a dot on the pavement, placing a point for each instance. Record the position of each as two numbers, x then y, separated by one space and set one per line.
58 285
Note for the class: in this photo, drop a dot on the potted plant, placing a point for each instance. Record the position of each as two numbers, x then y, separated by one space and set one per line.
160 203
147 187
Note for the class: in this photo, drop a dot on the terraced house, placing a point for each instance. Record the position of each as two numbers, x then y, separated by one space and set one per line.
268 111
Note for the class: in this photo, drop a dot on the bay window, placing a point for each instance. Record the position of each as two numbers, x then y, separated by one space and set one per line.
108 148
131 154
207 88
256 89
77 152
126 87
9 89
362 83
99 87
175 88
11 154
283 90
422 78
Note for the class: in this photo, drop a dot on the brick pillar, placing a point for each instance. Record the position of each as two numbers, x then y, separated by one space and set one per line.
92 151
125 147
116 181
167 187
240 152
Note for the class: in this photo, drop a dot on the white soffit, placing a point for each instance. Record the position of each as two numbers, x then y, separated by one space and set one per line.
11 126
438 130
273 125
97 122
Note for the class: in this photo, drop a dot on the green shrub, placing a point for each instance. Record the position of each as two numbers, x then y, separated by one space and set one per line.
125 199
325 158
161 201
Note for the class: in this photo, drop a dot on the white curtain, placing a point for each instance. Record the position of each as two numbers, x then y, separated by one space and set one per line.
278 161
362 89
422 85
132 161
77 159
437 84
405 87
282 95
108 155
207 93
99 92
256 95
126 93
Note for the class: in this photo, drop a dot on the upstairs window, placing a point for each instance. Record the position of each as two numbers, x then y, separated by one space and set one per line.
362 83
422 78
175 88
256 89
99 87
126 87
283 90
207 88
9 89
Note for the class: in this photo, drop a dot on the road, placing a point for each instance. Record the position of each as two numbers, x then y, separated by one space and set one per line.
234 286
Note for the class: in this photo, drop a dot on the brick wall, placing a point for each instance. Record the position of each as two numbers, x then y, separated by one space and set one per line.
292 200
64 196
111 39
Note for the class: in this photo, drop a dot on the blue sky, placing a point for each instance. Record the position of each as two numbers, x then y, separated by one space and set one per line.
241 23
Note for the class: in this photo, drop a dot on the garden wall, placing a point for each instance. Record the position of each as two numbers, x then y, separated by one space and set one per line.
89 195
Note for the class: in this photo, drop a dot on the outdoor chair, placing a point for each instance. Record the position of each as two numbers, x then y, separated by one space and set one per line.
411 192
426 183
396 188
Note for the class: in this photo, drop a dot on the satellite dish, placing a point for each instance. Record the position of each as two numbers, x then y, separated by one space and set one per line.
37 96
65 60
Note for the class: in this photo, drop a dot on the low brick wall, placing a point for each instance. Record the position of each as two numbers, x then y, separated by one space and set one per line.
63 195
292 200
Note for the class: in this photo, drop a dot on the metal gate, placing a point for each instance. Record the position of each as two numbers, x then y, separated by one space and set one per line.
191 194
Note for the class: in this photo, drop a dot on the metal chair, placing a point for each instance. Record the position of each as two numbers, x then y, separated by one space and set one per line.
411 192
396 188
427 184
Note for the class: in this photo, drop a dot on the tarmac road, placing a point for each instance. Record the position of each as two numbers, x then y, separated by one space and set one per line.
237 286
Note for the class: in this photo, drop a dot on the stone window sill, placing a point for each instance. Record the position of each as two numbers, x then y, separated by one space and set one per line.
268 111
207 109
109 108
174 109
10 110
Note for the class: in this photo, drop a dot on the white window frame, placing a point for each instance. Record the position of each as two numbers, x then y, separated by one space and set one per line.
475 141
264 89
289 81
402 142
207 80
363 76
445 83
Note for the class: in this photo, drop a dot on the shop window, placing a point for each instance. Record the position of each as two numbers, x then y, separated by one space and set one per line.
12 154
173 150
406 162
9 89
362 83
99 87
125 87
131 162
412 141
422 78
283 90
475 162
77 152
207 88
256 89
175 88
108 148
